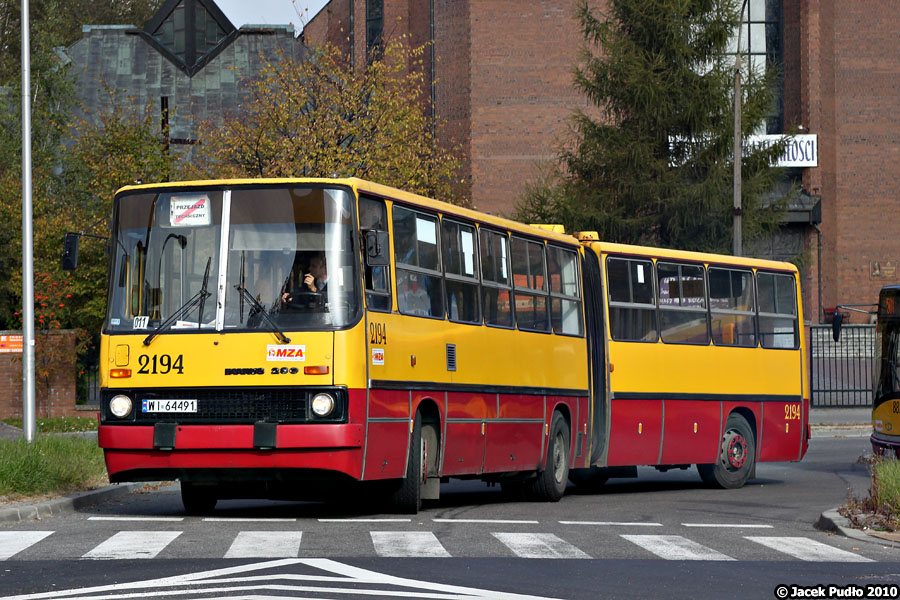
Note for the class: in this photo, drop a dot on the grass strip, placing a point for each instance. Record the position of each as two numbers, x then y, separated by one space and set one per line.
51 464
880 509
59 424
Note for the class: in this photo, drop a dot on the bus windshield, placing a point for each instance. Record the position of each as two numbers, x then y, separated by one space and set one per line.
262 258
887 358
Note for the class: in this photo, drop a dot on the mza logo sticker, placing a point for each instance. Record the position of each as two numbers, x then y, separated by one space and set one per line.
282 352
377 356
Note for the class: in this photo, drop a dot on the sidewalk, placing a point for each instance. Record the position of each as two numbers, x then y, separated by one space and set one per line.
853 416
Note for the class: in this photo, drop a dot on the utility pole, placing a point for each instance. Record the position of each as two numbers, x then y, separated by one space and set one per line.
28 404
737 249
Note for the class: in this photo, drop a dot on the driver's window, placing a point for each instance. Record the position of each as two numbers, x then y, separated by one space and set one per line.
373 217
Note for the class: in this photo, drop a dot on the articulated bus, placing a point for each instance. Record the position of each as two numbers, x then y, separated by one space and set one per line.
269 338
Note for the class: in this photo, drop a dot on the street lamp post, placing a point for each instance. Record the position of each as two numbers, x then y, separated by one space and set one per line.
28 399
738 142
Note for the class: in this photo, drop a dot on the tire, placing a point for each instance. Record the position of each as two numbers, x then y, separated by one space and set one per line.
407 497
737 456
550 484
198 499
590 479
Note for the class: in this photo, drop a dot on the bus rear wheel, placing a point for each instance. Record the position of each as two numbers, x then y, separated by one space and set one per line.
550 484
736 456
198 499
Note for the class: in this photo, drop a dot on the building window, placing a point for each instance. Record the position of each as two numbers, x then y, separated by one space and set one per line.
374 25
761 47
189 32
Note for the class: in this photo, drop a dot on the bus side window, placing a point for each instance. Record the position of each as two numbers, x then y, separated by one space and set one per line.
373 217
632 303
732 307
681 290
530 283
778 326
495 280
460 274
420 283
565 304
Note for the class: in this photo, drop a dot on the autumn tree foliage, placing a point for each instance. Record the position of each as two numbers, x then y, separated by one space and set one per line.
318 117
113 147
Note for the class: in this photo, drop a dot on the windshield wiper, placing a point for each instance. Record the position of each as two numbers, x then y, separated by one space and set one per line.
261 311
197 299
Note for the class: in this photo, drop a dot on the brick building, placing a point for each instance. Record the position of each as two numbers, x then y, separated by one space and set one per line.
502 72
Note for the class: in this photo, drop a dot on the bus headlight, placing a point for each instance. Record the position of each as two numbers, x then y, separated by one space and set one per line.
322 405
120 406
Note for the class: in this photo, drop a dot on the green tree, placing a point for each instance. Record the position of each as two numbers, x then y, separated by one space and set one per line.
58 23
318 116
651 162
113 147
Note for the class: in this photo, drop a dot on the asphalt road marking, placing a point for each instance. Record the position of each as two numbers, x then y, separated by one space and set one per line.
407 544
608 523
249 520
174 519
295 578
265 544
490 521
365 520
539 545
807 549
133 544
728 525
13 542
675 547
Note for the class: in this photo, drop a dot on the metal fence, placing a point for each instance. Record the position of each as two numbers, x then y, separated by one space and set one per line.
88 388
841 372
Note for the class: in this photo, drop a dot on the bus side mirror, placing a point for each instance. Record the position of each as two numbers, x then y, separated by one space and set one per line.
836 325
377 243
70 251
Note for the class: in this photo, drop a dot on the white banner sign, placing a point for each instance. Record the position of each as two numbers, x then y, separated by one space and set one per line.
800 151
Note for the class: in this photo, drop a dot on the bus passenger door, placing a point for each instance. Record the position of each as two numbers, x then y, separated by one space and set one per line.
596 339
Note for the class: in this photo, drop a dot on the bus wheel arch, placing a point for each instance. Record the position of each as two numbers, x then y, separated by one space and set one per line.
422 479
736 460
431 433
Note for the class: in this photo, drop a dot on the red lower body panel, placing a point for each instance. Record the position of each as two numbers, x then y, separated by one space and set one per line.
321 446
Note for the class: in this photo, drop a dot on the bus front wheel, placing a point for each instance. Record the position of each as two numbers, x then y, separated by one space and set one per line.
736 456
422 461
550 484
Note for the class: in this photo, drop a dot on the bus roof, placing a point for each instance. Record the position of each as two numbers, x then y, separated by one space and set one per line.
473 215
704 257
372 188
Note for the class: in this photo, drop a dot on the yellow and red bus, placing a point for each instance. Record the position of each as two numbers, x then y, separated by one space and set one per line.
269 337
886 377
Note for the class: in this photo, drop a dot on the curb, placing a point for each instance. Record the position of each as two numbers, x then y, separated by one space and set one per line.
57 506
832 521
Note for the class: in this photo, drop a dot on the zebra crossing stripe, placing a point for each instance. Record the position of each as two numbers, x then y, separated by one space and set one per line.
265 544
13 542
675 547
396 544
133 544
539 545
807 549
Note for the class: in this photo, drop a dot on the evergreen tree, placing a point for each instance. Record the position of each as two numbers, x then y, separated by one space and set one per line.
651 162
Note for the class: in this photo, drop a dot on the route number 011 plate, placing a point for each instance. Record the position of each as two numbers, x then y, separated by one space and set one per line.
169 406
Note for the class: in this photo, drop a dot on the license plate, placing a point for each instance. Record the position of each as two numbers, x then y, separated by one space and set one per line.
169 406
